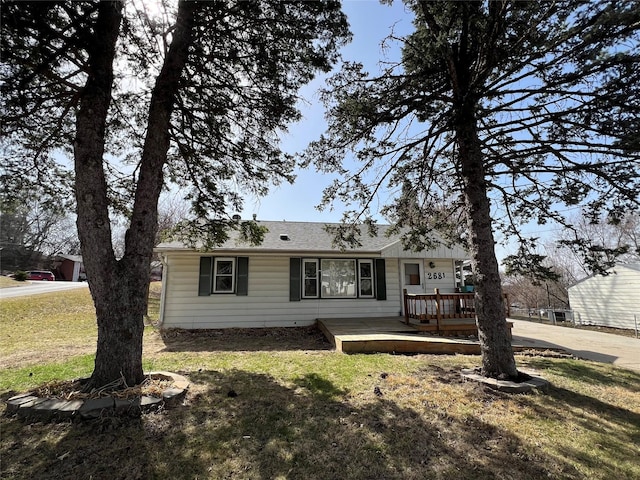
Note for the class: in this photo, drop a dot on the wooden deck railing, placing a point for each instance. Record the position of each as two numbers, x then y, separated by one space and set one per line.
442 308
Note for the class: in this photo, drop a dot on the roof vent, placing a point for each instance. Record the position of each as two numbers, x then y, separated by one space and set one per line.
285 237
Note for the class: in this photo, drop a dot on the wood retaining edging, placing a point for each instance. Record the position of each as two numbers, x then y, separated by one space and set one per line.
28 405
392 335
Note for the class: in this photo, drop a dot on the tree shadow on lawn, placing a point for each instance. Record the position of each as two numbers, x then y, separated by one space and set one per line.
584 371
599 418
236 424
244 339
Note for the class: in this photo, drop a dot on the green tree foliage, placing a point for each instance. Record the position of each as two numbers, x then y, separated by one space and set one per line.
499 114
195 96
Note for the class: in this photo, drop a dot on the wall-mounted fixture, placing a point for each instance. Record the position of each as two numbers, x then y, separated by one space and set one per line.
432 265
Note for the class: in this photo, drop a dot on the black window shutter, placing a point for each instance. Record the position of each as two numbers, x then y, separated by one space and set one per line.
242 276
381 279
295 279
204 282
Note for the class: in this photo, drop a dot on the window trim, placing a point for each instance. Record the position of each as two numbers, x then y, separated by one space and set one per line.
317 278
354 262
215 275
296 278
370 262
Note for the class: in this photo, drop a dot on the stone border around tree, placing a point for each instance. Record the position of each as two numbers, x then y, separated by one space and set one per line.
508 386
28 405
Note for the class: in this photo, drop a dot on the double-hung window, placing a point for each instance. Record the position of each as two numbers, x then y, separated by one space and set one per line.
310 278
224 275
365 279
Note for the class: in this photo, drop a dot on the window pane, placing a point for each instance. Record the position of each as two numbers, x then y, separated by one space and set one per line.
224 267
338 278
365 270
411 274
310 288
366 287
224 284
310 270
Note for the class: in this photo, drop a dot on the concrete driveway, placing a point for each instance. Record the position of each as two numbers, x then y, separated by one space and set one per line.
597 346
36 287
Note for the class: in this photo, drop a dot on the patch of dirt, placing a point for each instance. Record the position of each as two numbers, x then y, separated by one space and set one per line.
521 377
545 353
242 339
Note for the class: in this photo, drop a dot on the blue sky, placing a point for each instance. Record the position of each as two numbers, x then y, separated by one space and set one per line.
370 24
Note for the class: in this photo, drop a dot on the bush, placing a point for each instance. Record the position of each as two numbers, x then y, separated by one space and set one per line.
20 276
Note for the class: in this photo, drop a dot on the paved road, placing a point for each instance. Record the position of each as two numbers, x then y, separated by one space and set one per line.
597 346
36 287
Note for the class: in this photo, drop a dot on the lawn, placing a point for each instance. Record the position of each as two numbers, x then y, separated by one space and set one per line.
280 404
6 282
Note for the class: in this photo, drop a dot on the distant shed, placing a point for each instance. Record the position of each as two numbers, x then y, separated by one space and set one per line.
609 300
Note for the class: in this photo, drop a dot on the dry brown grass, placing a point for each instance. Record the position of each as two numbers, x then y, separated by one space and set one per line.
6 282
282 405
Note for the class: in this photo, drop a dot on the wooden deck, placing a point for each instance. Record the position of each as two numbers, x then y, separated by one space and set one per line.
390 335
444 313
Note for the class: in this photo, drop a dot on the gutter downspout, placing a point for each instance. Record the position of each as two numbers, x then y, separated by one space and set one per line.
163 291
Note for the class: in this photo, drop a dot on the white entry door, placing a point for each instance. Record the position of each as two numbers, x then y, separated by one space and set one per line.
413 276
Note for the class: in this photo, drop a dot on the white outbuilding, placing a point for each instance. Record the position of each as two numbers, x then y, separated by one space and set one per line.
611 300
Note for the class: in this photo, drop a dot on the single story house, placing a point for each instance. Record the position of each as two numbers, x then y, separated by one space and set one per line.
611 300
297 276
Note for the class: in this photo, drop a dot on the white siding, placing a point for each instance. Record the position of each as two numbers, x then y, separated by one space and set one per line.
267 303
433 279
610 300
395 250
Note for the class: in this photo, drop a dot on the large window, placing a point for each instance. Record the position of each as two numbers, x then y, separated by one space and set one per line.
338 278
223 275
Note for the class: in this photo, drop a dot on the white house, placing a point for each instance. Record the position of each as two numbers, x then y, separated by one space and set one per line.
609 300
295 277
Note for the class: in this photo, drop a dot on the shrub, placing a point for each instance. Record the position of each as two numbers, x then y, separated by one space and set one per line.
20 276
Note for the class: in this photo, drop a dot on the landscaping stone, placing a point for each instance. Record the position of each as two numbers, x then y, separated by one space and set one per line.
30 406
66 409
96 407
14 403
54 407
125 406
508 386
172 396
149 404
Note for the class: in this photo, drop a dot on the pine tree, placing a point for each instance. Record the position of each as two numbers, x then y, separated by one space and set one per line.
140 102
500 113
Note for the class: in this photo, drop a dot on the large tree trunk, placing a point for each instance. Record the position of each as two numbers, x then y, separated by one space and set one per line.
493 334
118 330
119 287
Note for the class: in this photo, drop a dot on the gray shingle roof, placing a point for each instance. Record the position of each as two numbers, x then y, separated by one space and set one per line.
300 236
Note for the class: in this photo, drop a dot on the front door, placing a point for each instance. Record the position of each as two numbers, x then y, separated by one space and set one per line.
412 272
413 276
